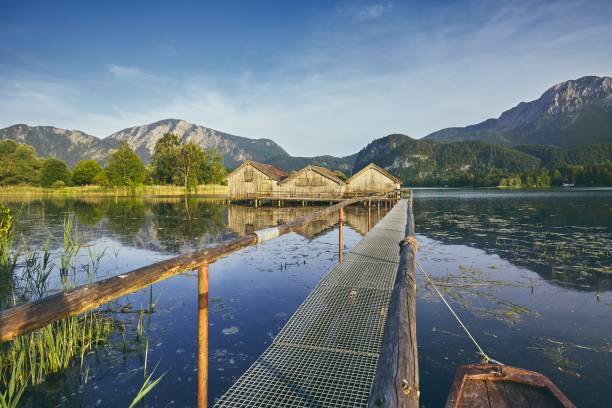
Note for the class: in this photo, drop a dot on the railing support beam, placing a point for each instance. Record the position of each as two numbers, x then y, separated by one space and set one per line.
340 219
203 336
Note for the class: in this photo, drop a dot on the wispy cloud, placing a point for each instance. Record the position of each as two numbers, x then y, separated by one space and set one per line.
370 12
123 72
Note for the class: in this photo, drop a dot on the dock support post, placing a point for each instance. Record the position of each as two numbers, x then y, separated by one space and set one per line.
369 215
203 336
341 217
396 383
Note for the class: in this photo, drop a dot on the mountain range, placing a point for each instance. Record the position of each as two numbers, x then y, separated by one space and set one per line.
567 118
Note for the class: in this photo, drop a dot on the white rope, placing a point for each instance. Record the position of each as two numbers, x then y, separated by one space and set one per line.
484 355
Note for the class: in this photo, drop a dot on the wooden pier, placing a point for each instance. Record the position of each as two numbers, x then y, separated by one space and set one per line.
327 354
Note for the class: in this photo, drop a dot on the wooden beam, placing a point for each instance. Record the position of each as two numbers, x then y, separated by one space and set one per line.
396 383
203 336
340 219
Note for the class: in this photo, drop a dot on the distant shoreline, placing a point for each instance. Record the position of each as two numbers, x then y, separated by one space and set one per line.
208 190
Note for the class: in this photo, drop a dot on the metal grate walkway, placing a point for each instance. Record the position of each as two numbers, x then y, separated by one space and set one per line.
326 354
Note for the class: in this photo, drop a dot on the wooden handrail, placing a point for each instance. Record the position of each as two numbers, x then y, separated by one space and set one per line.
30 316
396 383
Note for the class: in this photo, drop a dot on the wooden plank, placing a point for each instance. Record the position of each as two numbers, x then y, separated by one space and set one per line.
203 336
396 383
474 395
497 394
515 394
541 397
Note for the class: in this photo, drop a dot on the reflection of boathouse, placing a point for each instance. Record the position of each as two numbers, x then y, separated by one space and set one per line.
259 181
244 220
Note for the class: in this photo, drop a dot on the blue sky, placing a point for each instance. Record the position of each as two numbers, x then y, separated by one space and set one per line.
317 77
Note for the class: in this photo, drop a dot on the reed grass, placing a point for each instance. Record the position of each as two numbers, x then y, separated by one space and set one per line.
26 191
29 358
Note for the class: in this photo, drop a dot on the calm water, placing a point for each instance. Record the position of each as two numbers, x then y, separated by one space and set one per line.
528 272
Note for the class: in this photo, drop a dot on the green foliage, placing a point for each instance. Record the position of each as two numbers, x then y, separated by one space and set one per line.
7 234
212 170
185 164
124 167
18 164
54 170
164 158
85 172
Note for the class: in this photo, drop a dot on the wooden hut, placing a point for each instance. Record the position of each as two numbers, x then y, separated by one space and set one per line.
372 179
312 182
253 180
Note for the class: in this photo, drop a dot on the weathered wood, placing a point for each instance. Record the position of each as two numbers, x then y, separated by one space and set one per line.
340 219
203 336
397 377
484 385
34 315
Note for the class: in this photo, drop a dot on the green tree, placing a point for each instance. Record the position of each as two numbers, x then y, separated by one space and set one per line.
85 171
18 164
54 170
212 170
124 167
164 158
189 163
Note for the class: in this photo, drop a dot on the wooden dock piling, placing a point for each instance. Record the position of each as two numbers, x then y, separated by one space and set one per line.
203 336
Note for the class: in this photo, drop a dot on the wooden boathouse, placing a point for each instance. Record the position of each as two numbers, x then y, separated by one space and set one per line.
372 179
258 181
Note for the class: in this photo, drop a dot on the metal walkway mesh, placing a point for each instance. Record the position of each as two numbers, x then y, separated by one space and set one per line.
326 354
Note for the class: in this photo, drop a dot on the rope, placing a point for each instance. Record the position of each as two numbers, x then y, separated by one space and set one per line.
485 356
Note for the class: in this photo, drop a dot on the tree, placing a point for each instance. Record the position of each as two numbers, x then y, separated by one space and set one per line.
54 170
164 158
85 171
185 164
212 170
124 167
189 163
18 164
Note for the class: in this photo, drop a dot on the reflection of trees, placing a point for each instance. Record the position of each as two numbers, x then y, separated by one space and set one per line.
184 222
564 238
90 213
126 217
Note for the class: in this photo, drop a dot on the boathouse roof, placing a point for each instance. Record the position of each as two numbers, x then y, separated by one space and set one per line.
318 169
375 167
269 170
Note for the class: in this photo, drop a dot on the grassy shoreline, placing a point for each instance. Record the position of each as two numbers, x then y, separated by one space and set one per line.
211 190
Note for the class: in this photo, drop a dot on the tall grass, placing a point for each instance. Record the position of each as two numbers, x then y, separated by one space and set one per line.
84 191
29 358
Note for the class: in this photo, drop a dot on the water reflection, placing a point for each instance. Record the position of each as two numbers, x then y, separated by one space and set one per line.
566 237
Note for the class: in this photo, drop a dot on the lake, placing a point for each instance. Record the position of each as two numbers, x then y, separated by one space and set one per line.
527 271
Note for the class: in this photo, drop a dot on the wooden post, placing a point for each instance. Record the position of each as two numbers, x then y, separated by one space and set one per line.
369 215
341 216
203 336
396 383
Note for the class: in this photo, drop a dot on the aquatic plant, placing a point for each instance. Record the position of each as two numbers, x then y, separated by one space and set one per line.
29 358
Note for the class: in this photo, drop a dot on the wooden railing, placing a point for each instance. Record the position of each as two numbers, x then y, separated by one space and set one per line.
34 315
397 375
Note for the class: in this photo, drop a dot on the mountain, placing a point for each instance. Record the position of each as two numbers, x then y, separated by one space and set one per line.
235 149
412 159
68 145
74 145
570 114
